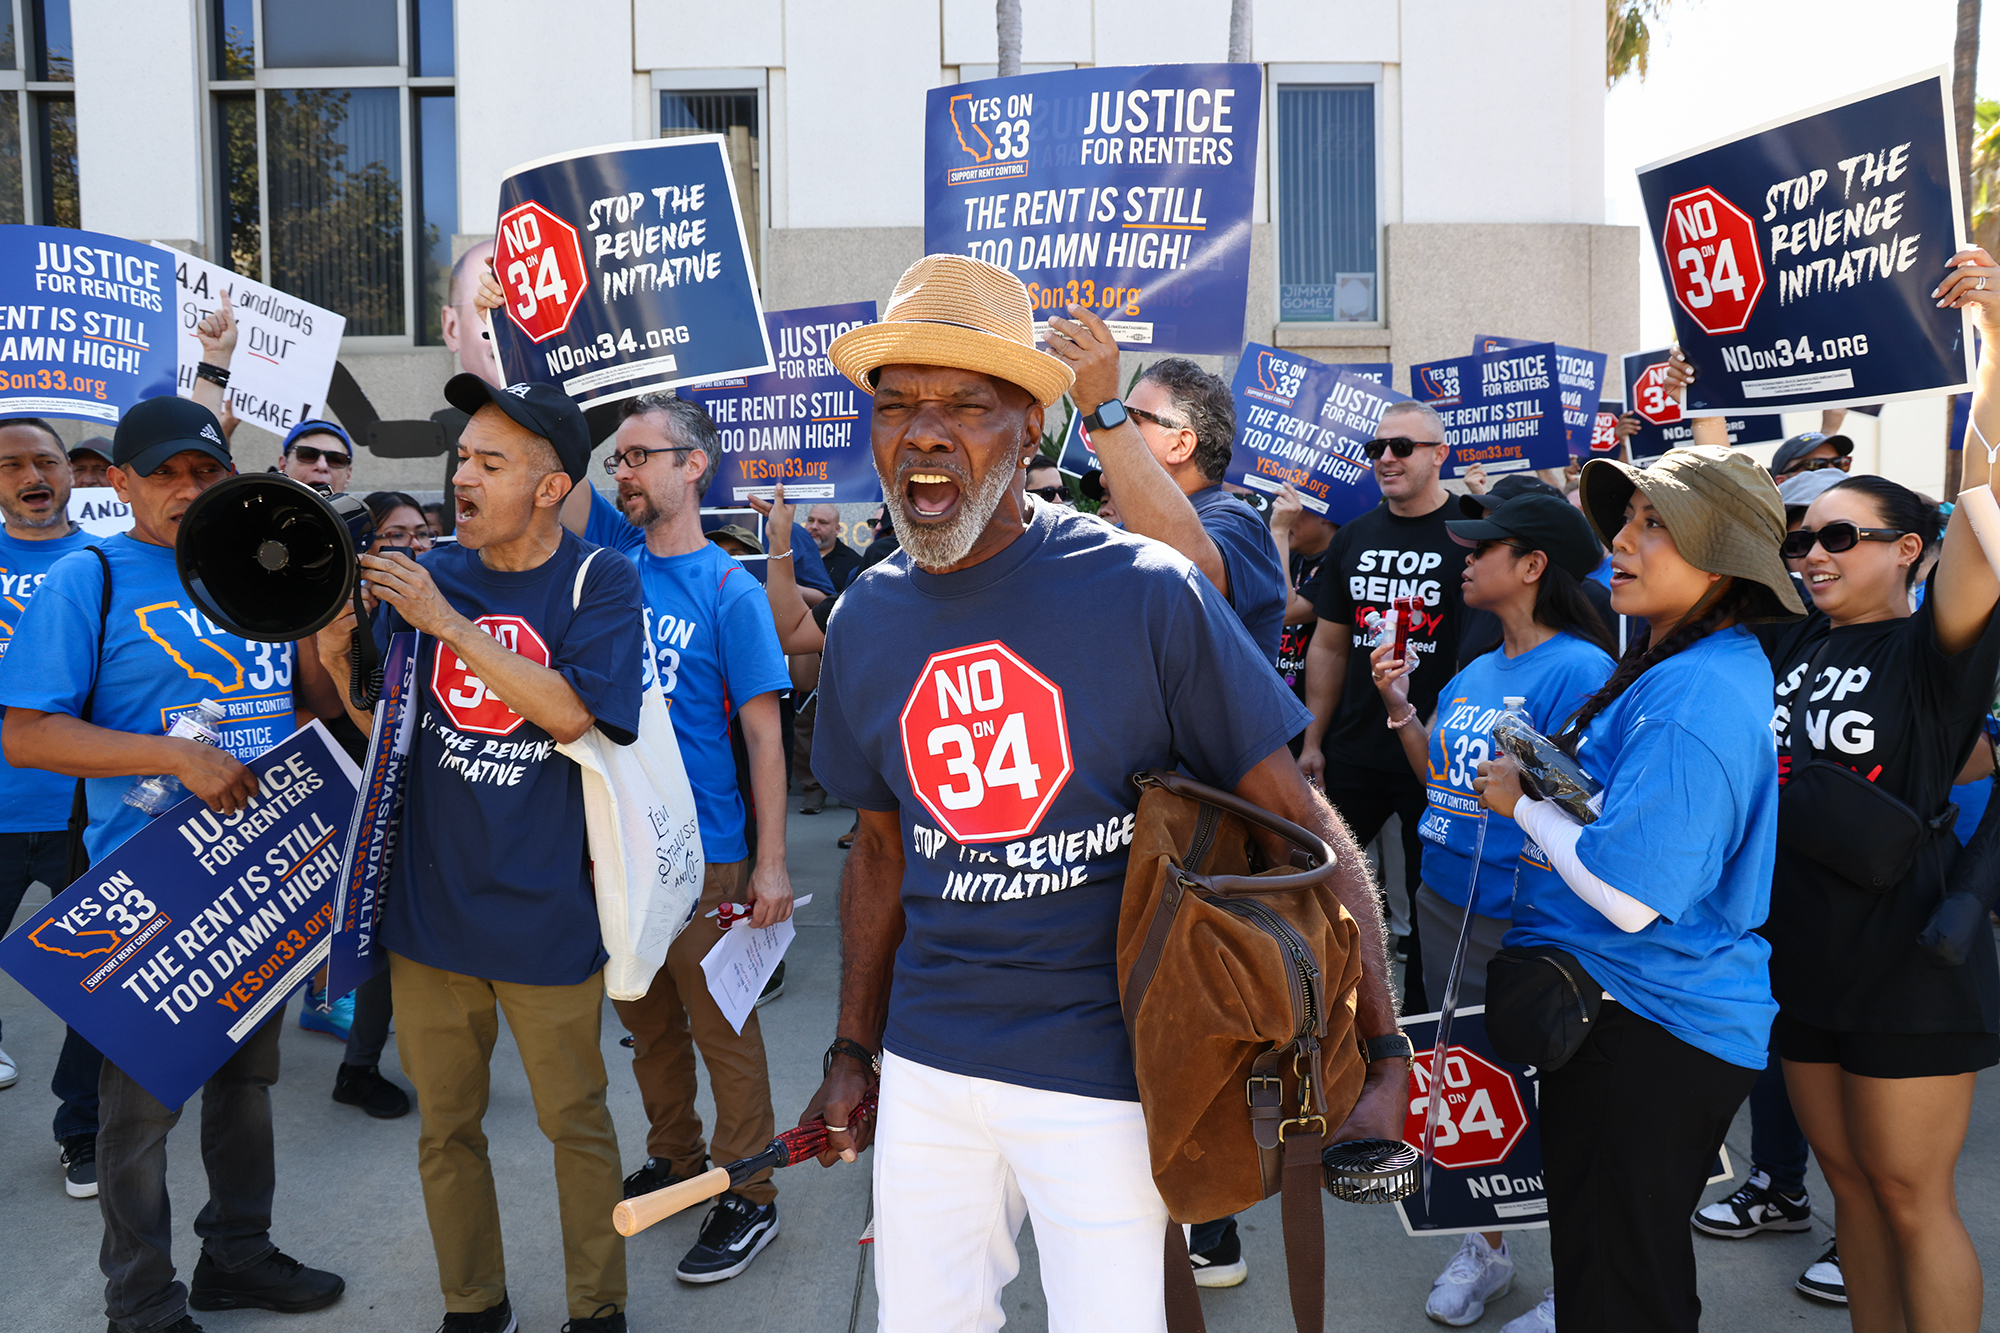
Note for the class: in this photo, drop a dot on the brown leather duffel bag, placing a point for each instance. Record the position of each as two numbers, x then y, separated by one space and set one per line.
1238 979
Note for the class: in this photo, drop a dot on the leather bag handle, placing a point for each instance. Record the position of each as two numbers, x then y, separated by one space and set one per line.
1315 859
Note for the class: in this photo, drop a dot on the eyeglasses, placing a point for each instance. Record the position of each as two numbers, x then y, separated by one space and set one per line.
1400 447
308 455
1489 543
1844 462
1835 537
1053 494
635 458
1155 418
419 537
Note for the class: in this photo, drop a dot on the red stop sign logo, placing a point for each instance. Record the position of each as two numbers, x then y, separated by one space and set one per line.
985 742
1652 399
540 263
1712 260
1604 433
464 696
1482 1117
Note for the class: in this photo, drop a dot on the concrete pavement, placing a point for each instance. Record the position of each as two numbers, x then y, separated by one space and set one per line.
349 1200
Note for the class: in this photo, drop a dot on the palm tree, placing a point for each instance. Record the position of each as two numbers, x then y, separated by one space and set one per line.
1007 14
1628 38
1239 32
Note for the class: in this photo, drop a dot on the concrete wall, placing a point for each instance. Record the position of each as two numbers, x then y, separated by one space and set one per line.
138 119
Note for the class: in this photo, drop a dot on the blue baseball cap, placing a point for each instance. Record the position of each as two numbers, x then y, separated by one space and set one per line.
316 426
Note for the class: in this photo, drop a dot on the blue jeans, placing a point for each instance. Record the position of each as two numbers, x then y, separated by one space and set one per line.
25 859
1777 1145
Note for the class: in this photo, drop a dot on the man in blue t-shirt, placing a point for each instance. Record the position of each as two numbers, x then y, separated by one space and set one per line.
1167 474
989 752
715 651
529 637
90 690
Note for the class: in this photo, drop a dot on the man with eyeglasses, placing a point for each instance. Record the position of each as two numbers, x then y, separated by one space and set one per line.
1810 451
1045 481
318 453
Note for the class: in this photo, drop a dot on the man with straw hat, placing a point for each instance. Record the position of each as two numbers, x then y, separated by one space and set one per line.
989 750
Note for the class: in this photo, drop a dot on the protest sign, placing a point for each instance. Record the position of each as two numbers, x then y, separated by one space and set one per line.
1603 431
1503 409
1800 256
1579 374
626 269
1378 371
1304 421
1126 190
803 424
1487 1171
285 347
372 827
191 934
85 325
1077 456
1662 424
99 511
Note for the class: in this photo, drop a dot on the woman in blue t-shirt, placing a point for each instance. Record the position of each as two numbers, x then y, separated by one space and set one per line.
1657 900
1527 559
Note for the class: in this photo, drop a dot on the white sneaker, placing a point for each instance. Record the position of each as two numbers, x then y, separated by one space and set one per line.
10 1074
1478 1273
1541 1319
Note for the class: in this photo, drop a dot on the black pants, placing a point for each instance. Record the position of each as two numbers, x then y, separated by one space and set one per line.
1630 1128
1366 799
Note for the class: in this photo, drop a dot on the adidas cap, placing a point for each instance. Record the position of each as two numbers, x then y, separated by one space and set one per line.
158 428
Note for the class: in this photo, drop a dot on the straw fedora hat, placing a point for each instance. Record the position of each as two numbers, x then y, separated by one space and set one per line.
952 310
1722 509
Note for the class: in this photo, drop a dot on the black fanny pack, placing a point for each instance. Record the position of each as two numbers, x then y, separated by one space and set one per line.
1540 1005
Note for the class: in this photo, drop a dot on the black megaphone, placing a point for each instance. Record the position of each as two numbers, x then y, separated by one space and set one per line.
273 560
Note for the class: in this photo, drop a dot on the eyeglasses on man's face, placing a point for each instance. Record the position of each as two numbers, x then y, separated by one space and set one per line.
1053 494
309 455
1164 423
635 457
1402 448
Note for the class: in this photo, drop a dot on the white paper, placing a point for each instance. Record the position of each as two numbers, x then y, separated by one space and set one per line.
99 511
743 960
285 347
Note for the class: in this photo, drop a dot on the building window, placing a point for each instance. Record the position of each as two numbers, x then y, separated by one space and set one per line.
732 113
1327 232
37 114
314 109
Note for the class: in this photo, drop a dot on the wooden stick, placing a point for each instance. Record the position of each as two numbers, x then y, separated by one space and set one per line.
632 1216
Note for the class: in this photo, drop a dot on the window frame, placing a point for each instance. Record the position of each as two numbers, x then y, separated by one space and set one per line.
28 94
1324 75
267 80
738 80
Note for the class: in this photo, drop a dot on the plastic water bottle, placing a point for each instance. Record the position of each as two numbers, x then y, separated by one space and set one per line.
156 794
1516 711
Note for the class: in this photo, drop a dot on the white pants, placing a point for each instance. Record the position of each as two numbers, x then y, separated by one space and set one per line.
959 1160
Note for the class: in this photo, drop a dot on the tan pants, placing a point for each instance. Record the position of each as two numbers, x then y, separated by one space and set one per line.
679 1014
446 1024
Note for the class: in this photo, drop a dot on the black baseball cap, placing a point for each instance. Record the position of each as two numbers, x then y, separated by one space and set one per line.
1503 490
1792 450
158 428
1548 524
96 444
541 409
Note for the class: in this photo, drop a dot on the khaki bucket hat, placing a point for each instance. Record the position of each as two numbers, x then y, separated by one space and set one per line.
952 310
1722 509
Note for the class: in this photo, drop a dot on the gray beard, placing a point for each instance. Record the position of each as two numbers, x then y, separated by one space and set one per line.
945 545
58 518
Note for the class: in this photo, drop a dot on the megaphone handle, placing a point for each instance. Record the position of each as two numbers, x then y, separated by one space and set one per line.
364 663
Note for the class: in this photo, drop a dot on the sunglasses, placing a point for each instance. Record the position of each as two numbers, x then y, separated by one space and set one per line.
1400 447
1155 418
1835 537
1053 494
1815 464
308 455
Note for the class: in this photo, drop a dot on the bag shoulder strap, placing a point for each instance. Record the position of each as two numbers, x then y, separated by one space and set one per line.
103 623
582 570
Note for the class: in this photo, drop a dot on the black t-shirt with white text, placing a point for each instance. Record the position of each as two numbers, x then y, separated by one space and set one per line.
1292 645
1883 701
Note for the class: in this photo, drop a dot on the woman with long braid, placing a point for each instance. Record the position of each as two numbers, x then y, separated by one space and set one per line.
1658 899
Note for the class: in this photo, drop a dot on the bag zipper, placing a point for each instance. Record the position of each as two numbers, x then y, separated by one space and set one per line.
1305 969
1582 1009
1204 835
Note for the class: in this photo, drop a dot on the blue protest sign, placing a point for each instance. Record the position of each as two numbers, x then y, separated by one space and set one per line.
1581 377
1663 425
1304 421
626 268
1378 371
803 424
86 323
1800 256
1125 189
178 945
370 847
1502 408
1077 456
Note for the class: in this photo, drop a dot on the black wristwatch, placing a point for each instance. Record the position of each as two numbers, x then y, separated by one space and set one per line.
854 1050
1392 1046
1109 414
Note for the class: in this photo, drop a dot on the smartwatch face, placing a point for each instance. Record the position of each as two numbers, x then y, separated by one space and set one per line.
1110 415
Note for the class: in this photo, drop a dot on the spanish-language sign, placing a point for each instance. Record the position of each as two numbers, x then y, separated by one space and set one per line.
1502 409
1581 377
86 323
1126 190
626 269
370 848
1800 256
1304 422
99 511
191 934
804 424
285 347
1663 425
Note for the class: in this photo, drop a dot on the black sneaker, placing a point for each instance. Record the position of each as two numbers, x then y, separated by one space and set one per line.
774 987
732 1234
493 1319
275 1282
657 1174
1755 1207
364 1086
79 1164
1221 1264
185 1324
601 1322
1822 1280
